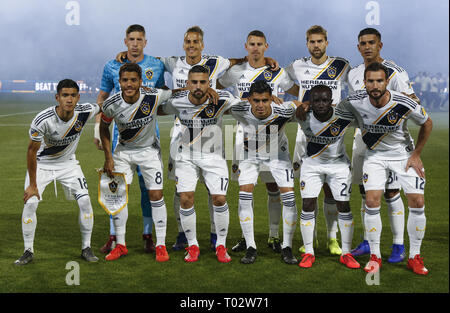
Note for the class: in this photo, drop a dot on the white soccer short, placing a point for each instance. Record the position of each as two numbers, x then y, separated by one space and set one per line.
336 174
377 172
149 162
264 174
280 169
358 154
71 178
214 172
299 151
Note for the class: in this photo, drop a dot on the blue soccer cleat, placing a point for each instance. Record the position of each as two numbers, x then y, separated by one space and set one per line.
180 243
213 240
361 249
398 253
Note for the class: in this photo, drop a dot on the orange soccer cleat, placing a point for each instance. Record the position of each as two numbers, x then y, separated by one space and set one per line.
161 254
373 265
416 265
192 253
118 252
307 261
222 255
348 260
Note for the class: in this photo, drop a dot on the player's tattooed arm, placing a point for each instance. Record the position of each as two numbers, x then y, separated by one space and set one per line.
414 160
412 96
32 189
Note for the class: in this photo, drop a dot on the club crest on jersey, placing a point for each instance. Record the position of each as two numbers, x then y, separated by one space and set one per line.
149 73
331 71
234 168
268 75
302 185
78 126
334 129
113 186
392 117
209 111
365 177
145 108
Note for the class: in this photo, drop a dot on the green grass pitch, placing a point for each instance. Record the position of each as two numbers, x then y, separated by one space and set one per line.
58 239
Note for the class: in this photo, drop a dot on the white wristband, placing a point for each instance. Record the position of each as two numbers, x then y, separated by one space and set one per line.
97 131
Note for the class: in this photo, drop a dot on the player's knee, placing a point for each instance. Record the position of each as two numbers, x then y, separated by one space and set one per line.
343 206
309 204
273 187
186 200
391 193
372 202
155 195
219 200
416 201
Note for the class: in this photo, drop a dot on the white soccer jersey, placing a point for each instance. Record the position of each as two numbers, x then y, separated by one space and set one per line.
202 134
324 140
136 121
179 68
399 79
259 135
59 139
332 73
241 77
384 130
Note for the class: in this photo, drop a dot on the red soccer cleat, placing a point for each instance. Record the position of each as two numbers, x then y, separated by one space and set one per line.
222 255
109 245
192 253
307 261
118 252
348 260
161 254
416 265
373 265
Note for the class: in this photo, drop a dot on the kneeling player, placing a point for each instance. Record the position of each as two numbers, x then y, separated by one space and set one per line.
263 123
325 162
382 114
55 133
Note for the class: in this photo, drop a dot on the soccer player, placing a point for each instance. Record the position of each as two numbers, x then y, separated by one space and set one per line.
55 134
200 153
325 161
152 76
369 45
134 112
240 77
319 69
381 115
263 123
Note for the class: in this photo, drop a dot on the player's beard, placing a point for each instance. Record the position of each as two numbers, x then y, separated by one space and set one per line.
198 94
381 94
317 54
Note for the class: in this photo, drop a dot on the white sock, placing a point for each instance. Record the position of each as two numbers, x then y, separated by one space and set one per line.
346 226
159 214
363 215
373 227
211 214
416 229
396 212
222 218
289 218
176 210
29 222
331 217
120 225
274 207
188 221
307 224
245 212
86 220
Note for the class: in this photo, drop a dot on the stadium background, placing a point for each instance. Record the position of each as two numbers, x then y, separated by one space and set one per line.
45 41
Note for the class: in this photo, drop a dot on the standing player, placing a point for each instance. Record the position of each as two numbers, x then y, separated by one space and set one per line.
200 153
240 77
152 76
55 134
319 69
134 112
263 124
325 161
369 45
381 115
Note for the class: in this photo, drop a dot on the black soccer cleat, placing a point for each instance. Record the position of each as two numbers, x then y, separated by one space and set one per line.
88 255
250 256
239 246
26 258
275 244
287 257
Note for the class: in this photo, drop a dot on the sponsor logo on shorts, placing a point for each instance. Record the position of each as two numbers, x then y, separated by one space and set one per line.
302 185
365 177
234 168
